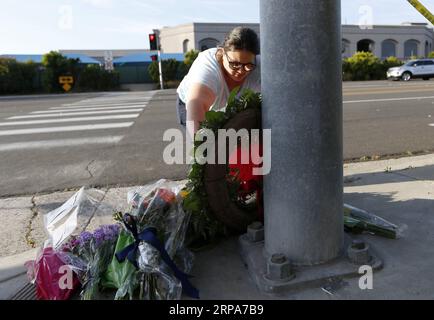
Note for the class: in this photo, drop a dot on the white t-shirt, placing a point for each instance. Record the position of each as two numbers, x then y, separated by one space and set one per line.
206 70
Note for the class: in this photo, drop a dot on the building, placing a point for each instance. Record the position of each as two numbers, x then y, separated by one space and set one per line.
101 55
37 58
402 41
197 36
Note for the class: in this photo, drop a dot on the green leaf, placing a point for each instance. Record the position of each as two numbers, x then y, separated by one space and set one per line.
192 202
215 119
233 95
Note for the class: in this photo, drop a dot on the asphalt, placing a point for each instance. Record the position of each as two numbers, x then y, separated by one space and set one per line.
399 190
380 119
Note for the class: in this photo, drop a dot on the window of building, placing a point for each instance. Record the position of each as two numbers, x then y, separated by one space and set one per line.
365 45
185 46
411 49
388 48
208 43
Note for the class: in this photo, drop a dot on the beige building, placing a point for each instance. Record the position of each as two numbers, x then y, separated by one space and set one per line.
402 41
198 36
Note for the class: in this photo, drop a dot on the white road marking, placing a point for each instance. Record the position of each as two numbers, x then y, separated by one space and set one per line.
67 128
88 105
391 99
87 109
47 144
31 122
67 114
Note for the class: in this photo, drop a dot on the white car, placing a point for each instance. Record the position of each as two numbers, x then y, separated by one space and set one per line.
421 68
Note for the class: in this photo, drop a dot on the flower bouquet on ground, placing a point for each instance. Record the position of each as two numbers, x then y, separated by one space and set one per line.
154 261
50 276
357 221
91 253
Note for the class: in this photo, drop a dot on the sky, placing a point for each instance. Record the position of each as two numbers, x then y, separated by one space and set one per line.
36 27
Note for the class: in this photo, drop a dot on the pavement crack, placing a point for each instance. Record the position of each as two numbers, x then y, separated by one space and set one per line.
88 169
29 228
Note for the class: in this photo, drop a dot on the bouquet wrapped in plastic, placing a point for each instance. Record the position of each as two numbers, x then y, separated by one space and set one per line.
53 279
357 221
93 253
157 260
52 273
67 262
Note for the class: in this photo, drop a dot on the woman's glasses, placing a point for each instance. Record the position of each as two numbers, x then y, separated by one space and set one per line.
235 65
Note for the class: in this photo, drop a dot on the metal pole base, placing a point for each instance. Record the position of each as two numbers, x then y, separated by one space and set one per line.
276 275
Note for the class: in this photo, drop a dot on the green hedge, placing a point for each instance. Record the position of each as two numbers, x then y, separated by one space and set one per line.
366 66
17 77
93 77
29 77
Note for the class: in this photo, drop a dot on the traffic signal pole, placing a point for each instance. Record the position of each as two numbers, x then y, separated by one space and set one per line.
154 45
160 68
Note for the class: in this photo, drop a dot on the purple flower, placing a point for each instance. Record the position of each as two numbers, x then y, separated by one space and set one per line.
99 236
84 237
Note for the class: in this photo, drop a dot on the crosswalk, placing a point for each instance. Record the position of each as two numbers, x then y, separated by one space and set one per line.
94 121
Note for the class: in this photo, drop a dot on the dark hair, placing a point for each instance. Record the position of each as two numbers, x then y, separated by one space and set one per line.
242 38
239 38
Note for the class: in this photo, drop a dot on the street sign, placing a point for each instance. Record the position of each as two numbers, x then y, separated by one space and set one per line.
66 82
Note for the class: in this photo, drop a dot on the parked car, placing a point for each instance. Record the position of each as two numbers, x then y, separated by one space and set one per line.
421 68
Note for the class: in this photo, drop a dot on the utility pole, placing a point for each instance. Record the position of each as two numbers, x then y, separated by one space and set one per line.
302 241
302 105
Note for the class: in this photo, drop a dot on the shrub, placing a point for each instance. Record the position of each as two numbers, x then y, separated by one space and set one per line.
94 77
189 58
57 65
366 66
170 70
362 66
17 77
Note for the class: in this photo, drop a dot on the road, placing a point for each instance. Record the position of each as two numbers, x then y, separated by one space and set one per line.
383 118
115 139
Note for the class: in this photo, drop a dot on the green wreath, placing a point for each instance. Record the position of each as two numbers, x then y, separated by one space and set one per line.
204 224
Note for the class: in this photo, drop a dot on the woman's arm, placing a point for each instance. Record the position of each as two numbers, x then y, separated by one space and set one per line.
199 100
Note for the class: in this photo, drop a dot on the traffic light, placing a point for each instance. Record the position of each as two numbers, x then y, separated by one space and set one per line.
154 57
153 41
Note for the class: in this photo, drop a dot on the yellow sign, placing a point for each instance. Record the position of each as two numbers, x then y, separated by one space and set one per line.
422 9
66 82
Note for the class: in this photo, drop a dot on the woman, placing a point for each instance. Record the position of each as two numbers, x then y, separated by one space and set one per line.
215 73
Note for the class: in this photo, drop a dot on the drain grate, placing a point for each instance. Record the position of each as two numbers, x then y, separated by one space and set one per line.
28 292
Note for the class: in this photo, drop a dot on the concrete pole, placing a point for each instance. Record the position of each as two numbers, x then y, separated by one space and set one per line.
302 104
160 69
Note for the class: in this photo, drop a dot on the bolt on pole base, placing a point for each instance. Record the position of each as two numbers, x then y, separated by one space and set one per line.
276 275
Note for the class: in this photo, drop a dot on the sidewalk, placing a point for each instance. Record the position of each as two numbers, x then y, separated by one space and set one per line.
399 190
